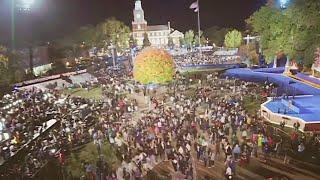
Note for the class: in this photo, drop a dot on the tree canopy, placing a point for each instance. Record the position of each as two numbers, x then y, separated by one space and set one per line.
188 38
146 41
3 65
88 34
115 32
216 35
153 65
293 31
202 39
10 68
233 39
170 42
110 31
249 52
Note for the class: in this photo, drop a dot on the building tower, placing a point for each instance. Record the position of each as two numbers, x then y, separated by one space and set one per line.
139 23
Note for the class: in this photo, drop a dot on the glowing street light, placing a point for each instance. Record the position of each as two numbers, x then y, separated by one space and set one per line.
25 5
29 2
283 4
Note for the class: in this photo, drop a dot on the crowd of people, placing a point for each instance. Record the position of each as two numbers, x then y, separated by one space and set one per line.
176 128
22 116
197 119
224 130
41 125
205 59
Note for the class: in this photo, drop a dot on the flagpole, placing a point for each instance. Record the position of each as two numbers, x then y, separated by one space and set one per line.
199 28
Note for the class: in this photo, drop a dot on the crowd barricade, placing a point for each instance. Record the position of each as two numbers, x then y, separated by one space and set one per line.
49 78
211 66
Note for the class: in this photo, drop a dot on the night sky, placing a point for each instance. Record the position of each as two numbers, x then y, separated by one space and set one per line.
51 19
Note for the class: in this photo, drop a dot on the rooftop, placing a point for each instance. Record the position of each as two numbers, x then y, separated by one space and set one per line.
158 28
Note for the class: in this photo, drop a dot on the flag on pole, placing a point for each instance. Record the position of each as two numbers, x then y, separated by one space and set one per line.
195 6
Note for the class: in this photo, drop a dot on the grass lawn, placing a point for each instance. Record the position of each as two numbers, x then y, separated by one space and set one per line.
95 93
252 105
89 155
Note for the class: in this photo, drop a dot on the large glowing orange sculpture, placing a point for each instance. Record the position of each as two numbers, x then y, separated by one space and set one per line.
153 65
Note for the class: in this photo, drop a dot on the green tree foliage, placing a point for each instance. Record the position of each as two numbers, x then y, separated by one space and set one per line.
146 41
10 68
189 38
115 32
216 35
61 48
182 42
293 31
249 51
233 39
132 42
16 71
4 61
56 50
268 22
68 47
111 31
3 57
202 39
90 155
87 34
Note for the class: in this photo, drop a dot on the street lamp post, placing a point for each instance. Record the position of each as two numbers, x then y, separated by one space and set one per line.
13 24
23 6
234 84
112 47
100 159
131 44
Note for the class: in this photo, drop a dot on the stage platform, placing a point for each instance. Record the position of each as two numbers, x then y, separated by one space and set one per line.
278 70
286 84
307 79
302 109
185 68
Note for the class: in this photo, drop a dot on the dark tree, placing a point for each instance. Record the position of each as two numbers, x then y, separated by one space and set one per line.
146 41
170 43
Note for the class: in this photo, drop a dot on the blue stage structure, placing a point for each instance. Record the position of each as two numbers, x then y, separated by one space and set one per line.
286 84
302 109
278 70
211 66
308 78
291 108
